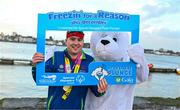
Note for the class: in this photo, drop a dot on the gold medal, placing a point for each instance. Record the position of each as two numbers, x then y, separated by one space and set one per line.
65 88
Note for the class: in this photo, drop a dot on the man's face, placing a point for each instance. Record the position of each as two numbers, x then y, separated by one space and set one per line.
74 45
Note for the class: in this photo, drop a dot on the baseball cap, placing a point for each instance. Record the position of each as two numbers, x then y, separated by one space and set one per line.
79 34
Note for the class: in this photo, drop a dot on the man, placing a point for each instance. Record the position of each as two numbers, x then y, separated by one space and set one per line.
71 60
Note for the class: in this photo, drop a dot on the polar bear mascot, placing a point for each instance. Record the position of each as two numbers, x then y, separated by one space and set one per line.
114 46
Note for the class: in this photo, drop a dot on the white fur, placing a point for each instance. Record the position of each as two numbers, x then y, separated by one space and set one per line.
117 97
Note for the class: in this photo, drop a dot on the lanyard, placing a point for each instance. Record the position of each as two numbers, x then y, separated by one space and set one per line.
68 69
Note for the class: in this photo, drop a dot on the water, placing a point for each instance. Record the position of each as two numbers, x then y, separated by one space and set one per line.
16 50
163 61
16 81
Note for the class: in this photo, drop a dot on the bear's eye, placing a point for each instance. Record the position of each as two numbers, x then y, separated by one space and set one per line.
115 39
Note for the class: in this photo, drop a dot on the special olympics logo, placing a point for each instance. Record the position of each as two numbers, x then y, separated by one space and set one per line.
99 73
80 78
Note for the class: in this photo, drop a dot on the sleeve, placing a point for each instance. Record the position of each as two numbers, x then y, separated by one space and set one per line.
49 67
136 53
142 72
94 90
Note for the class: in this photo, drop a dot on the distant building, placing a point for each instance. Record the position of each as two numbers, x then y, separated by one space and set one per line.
150 51
26 39
49 42
1 37
59 43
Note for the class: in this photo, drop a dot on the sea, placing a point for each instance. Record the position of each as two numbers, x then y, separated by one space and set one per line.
16 80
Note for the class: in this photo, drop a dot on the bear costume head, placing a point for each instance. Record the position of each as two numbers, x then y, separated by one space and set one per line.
110 46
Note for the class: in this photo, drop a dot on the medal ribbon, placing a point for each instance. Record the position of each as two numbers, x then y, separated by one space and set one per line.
68 69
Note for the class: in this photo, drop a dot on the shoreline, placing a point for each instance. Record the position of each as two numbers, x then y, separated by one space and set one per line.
140 103
27 62
87 45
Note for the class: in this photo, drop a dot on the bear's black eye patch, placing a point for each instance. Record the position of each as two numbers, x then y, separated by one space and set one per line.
115 39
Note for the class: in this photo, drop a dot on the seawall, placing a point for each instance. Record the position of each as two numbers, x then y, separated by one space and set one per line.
140 103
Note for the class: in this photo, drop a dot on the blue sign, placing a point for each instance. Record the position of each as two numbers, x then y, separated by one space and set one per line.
113 72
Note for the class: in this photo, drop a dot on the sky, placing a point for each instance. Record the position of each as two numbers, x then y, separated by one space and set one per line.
159 19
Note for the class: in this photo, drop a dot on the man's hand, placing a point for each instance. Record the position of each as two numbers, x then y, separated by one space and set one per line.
37 57
102 86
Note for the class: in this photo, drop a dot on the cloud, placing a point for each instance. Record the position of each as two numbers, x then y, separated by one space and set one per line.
160 38
163 32
160 9
168 33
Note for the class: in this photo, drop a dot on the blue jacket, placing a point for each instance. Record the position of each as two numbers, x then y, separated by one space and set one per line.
76 98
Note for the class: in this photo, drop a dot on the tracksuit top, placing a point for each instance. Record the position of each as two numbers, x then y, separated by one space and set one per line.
77 96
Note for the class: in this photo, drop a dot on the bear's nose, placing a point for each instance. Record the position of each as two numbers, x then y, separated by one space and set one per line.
105 42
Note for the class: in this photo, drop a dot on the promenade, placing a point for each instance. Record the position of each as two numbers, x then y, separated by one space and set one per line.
140 103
